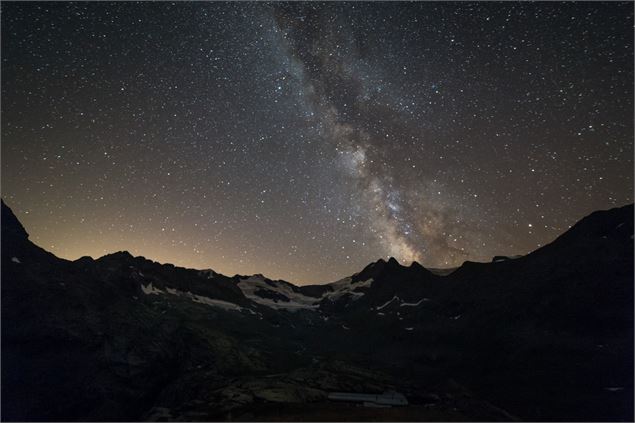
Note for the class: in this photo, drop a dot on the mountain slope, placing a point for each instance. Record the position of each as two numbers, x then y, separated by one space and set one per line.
544 336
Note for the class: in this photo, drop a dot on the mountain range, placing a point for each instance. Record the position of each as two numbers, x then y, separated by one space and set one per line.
545 336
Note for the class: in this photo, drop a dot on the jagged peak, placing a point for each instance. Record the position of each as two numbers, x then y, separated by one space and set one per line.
416 265
255 276
393 262
124 254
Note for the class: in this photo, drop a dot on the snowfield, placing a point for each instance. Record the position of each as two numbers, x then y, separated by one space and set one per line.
253 285
225 305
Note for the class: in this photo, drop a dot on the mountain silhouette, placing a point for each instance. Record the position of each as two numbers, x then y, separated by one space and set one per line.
546 336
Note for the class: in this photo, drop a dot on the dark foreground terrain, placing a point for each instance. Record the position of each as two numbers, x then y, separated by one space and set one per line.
547 336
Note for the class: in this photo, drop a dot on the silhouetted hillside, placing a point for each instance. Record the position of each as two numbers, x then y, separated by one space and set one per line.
547 336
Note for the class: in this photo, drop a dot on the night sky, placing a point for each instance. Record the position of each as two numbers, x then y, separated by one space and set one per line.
304 141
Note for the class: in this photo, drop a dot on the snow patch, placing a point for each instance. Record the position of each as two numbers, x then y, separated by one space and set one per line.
388 302
347 287
226 305
15 260
401 303
413 304
151 290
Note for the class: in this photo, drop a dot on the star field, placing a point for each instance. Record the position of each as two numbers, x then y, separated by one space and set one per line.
304 140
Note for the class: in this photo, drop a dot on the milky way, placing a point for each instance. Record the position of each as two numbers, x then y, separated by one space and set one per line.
345 100
304 140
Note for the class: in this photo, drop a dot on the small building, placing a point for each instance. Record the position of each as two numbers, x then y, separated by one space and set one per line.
387 399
